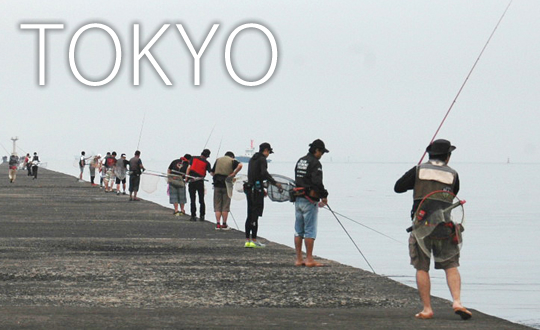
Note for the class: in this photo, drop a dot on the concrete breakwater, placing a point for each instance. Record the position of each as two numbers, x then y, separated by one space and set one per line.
76 257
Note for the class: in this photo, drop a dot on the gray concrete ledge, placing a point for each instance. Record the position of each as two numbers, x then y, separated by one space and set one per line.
75 257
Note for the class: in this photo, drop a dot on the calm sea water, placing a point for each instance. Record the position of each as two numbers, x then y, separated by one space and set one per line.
500 264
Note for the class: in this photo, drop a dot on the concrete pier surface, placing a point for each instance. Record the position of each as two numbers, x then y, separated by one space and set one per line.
75 257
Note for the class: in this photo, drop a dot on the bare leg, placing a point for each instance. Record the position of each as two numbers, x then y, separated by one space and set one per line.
182 208
453 279
225 216
424 289
175 207
298 246
218 217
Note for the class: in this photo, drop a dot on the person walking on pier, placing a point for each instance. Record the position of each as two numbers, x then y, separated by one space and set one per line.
177 184
254 190
28 164
312 194
223 168
35 163
198 166
13 165
136 168
424 179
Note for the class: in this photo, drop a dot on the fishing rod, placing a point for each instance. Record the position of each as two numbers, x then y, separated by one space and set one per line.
140 134
9 153
164 175
352 240
234 221
466 79
212 131
219 148
361 224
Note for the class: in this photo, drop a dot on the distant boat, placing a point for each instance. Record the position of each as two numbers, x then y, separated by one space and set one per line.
249 153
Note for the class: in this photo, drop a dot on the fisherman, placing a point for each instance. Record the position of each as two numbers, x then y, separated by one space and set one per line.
110 163
311 195
13 165
254 190
95 163
136 168
196 171
177 184
224 167
28 164
103 170
82 164
423 179
35 163
120 170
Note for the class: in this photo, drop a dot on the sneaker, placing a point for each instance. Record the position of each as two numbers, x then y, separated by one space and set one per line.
201 218
258 244
249 244
225 227
117 193
218 227
124 193
192 218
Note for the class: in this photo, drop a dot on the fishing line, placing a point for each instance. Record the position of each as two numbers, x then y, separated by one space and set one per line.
234 221
352 240
466 79
140 134
9 153
361 224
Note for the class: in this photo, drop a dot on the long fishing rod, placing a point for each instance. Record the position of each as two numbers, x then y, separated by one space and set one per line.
140 134
234 221
361 224
212 131
352 240
219 148
467 78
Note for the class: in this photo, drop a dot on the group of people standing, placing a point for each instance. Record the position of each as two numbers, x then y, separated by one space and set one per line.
309 195
113 171
31 163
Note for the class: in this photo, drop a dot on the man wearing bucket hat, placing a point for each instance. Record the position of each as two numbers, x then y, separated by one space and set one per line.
310 192
423 179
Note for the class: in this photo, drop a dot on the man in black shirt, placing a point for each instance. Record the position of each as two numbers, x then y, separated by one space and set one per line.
309 177
254 189
177 186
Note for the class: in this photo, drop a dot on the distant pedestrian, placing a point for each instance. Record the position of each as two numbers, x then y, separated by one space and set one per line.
13 166
224 167
28 164
110 164
82 164
35 164
103 170
255 193
423 179
198 166
312 194
120 171
95 164
136 168
177 184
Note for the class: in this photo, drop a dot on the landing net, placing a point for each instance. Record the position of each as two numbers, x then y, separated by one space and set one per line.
283 193
438 224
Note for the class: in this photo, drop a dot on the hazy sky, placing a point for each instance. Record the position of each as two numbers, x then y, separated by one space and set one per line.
373 79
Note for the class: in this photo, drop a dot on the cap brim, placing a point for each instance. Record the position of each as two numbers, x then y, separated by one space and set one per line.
271 150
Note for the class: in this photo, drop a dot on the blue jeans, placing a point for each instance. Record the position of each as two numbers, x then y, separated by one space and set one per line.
306 218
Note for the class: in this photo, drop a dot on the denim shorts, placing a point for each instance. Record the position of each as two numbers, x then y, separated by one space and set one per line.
306 218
